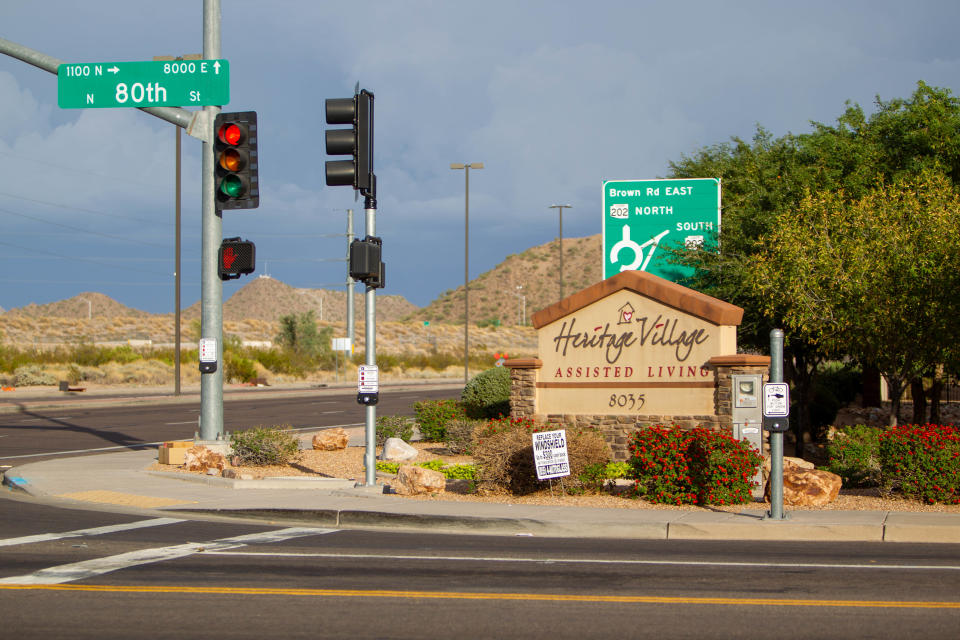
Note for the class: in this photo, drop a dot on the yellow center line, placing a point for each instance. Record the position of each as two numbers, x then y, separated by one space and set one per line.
460 595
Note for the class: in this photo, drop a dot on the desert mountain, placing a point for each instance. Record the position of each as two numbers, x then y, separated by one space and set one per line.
265 298
532 276
84 305
528 279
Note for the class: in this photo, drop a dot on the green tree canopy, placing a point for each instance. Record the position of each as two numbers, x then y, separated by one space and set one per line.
875 278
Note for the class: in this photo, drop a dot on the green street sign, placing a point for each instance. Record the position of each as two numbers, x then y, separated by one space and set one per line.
642 217
167 83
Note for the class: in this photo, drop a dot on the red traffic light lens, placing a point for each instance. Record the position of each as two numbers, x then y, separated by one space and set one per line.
230 133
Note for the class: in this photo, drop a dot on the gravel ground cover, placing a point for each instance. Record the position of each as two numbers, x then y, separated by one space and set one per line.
348 463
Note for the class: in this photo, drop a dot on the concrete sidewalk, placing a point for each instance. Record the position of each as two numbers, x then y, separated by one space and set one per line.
121 481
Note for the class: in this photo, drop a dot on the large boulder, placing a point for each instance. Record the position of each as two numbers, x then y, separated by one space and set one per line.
202 459
412 480
809 487
331 439
397 450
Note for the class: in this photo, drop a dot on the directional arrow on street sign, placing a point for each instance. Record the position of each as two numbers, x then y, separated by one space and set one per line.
167 83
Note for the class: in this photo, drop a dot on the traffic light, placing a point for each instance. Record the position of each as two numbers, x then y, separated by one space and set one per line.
365 263
236 163
356 142
236 258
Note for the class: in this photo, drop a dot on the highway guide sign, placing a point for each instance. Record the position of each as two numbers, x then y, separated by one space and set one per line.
164 83
550 454
642 217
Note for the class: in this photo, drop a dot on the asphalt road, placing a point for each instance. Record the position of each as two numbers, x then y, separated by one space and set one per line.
32 435
124 575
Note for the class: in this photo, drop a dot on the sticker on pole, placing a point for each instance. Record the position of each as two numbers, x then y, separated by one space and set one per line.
208 350
550 454
368 378
776 400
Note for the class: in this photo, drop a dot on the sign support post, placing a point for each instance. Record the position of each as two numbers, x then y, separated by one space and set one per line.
776 408
370 453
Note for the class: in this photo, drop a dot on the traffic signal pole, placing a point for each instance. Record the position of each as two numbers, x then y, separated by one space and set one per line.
370 431
211 287
198 124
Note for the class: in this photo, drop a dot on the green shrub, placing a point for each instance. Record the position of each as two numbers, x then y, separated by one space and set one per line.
237 368
33 375
596 475
393 427
459 437
262 446
282 361
854 455
434 415
460 471
699 466
453 471
503 450
921 462
388 467
487 395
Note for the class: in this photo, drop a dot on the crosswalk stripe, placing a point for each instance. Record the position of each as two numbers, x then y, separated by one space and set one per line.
95 531
99 566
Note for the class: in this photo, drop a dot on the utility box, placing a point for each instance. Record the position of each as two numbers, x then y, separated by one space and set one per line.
173 452
748 418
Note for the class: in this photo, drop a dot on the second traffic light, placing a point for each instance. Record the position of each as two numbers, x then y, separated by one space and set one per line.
236 161
356 142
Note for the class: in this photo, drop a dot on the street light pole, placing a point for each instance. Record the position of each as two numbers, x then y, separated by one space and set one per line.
176 250
466 263
560 208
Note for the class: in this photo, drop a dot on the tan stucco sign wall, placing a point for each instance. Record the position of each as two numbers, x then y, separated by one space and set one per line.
623 351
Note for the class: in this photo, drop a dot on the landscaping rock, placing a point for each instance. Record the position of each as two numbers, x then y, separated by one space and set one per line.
413 481
202 459
331 439
397 450
235 474
809 487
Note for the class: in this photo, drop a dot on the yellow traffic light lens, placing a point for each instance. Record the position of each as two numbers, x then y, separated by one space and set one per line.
231 160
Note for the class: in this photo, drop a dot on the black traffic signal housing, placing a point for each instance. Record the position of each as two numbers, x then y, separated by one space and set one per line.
236 161
236 258
357 142
365 262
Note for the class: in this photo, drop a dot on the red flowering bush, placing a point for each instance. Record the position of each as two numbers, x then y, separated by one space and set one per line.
722 468
658 462
921 462
672 466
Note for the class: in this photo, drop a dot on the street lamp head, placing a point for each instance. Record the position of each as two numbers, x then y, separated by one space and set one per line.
456 165
467 165
560 206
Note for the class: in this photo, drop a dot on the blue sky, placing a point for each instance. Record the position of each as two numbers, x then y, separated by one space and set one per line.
553 97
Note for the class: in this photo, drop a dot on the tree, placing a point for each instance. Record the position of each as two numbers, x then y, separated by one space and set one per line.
769 177
874 277
299 334
760 180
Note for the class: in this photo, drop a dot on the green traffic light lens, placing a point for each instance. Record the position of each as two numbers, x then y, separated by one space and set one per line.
231 186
